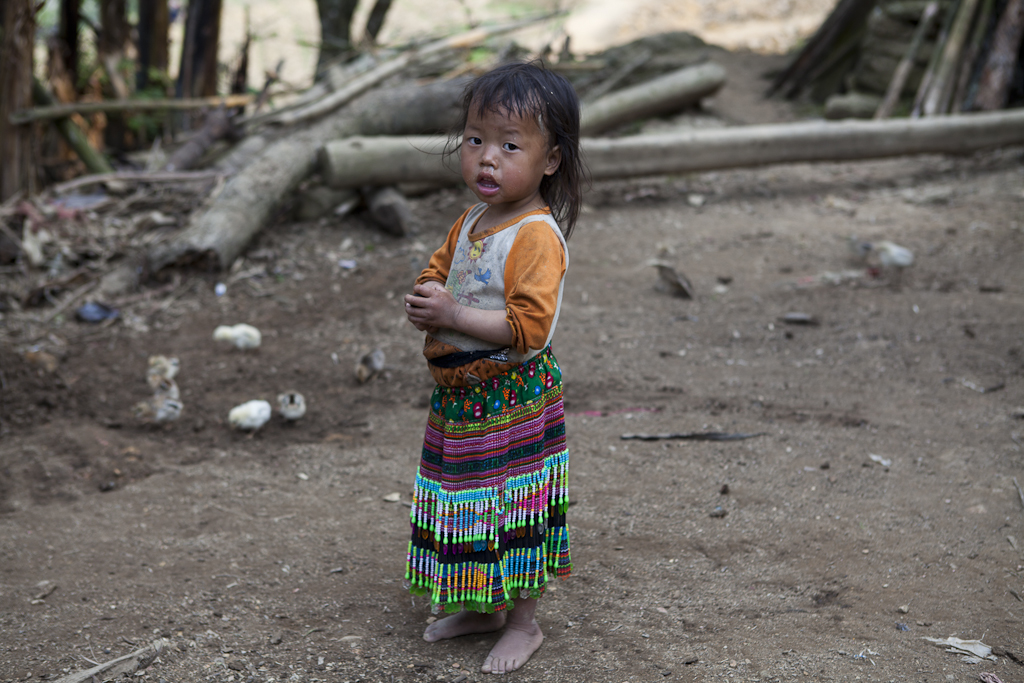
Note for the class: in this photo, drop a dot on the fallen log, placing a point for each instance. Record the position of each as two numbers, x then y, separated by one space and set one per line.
390 210
389 160
215 237
216 126
59 111
902 73
663 95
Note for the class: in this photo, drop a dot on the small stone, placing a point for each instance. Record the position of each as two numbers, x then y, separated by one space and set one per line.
718 512
393 497
904 609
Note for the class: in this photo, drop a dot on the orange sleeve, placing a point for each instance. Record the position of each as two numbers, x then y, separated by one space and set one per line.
441 260
533 272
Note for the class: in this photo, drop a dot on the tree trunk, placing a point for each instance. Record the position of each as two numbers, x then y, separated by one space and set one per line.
70 20
154 26
375 21
335 30
387 161
1002 58
198 73
17 36
217 236
899 77
937 100
114 27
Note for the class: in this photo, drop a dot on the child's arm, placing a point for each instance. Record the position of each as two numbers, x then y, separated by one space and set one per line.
432 306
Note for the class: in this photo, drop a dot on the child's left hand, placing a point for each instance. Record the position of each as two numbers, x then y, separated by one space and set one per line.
431 306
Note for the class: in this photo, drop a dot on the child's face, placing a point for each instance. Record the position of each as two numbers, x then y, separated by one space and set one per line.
504 158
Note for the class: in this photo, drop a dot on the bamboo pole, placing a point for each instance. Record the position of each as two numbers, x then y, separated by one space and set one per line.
58 111
903 69
968 66
937 100
933 63
391 67
72 134
356 161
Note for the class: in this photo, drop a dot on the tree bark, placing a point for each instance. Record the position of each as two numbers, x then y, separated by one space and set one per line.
386 161
937 100
70 20
113 27
375 21
217 236
17 36
335 30
666 94
1002 58
154 27
198 72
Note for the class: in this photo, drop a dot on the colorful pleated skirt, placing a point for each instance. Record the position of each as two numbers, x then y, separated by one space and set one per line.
488 512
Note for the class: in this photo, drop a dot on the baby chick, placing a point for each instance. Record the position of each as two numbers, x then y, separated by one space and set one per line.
162 366
369 365
249 416
158 409
292 405
241 335
893 255
164 387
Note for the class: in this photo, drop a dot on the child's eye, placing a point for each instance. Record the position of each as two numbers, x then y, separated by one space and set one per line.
510 147
474 141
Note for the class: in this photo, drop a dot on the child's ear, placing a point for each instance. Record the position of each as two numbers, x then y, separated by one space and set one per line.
554 159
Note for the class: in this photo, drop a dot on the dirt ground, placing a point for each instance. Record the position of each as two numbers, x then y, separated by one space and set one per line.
276 558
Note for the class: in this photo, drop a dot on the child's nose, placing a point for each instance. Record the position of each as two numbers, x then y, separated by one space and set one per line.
490 156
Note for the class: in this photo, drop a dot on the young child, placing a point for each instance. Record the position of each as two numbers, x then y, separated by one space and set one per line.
488 515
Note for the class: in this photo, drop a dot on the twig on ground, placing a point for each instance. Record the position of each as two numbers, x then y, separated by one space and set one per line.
1019 492
139 176
72 298
692 436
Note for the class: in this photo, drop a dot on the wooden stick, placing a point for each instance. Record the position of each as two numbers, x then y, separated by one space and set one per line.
116 668
903 69
968 65
357 161
136 176
72 134
58 111
937 100
70 299
933 63
621 74
393 66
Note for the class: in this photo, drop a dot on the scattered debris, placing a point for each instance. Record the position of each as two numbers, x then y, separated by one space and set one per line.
42 360
370 365
724 490
94 312
1017 413
250 416
904 609
973 651
718 512
393 497
800 319
242 336
692 436
122 666
46 589
674 282
1020 493
292 405
900 626
983 390
884 462
986 677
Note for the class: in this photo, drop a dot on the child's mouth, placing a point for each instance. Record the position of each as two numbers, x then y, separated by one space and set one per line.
487 185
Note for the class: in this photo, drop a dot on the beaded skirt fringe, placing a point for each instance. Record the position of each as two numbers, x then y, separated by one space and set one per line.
488 514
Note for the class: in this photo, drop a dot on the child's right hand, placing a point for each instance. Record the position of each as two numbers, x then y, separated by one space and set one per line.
413 305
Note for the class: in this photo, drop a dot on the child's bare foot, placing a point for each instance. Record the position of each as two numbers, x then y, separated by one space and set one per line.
514 648
463 623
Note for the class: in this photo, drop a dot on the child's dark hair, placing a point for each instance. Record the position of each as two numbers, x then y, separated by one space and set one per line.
529 90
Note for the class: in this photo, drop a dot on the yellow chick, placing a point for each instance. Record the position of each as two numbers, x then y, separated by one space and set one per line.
241 335
162 366
166 388
249 416
369 366
292 405
158 409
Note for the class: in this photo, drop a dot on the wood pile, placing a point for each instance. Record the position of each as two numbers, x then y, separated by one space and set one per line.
912 57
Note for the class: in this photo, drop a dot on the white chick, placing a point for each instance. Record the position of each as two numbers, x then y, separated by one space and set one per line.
162 366
292 405
249 416
165 388
890 255
369 365
158 409
241 335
